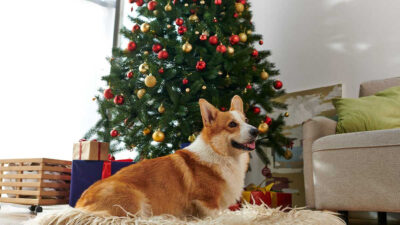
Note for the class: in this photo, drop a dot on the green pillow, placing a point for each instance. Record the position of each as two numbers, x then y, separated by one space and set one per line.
376 112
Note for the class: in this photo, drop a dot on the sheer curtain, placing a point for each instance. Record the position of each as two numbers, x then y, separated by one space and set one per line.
52 55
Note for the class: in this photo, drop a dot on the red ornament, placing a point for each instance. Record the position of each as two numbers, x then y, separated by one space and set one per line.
256 110
249 86
119 100
203 37
174 2
241 1
185 81
108 93
223 109
129 74
221 48
139 2
278 84
215 20
135 28
255 53
161 70
192 11
114 133
261 42
268 120
132 1
179 21
131 46
234 39
235 15
182 30
218 2
163 54
157 47
201 65
152 5
213 40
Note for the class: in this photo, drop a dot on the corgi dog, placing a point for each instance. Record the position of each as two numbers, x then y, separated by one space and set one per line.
200 180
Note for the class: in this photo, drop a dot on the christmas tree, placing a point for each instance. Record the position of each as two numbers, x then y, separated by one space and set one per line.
178 52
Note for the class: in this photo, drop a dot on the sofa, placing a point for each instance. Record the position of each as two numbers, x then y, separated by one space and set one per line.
354 171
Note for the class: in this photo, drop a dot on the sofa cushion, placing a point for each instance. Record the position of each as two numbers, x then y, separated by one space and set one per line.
377 112
374 86
366 139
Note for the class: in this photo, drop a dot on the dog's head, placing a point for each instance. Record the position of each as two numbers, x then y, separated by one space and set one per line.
228 133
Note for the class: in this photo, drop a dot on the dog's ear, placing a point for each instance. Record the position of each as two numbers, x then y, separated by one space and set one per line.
237 104
208 112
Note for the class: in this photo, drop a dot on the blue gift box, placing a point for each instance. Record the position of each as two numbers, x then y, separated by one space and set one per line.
85 173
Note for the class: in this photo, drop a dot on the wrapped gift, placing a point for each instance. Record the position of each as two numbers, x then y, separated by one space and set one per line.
259 195
85 173
90 150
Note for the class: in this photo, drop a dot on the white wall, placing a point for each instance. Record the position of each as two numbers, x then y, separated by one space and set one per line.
52 55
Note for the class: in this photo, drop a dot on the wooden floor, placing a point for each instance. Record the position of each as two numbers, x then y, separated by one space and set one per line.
17 214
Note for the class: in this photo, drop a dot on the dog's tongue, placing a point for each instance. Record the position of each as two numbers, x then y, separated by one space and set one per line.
251 145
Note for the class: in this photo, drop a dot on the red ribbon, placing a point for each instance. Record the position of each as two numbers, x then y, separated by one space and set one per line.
106 172
98 148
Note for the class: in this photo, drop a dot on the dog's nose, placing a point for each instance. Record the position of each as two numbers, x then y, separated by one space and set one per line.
254 132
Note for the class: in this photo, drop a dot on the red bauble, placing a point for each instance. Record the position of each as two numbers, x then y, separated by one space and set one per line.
119 100
222 109
278 84
157 47
268 120
161 70
254 53
201 65
135 28
108 93
215 20
235 15
182 30
163 54
241 1
132 1
192 11
221 48
132 9
131 46
185 81
179 21
203 37
261 42
234 39
256 110
218 2
139 2
213 40
129 74
249 86
114 133
151 5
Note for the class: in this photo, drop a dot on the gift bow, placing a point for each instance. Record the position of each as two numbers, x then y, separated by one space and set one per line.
106 172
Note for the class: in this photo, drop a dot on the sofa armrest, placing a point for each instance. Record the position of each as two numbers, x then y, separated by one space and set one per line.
313 129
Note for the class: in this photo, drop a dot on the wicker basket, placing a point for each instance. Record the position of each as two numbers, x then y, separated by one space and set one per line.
35 181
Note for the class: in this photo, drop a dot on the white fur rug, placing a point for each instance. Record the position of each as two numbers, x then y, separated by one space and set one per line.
249 215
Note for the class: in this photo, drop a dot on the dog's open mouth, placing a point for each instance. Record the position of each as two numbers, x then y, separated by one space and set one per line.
250 146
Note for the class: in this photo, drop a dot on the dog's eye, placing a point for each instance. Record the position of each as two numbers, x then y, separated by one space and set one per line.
232 124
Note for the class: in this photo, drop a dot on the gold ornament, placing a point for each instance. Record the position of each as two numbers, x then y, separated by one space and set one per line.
146 52
220 73
263 128
202 2
264 75
286 114
94 99
197 32
150 81
231 50
146 131
155 12
242 37
140 93
249 32
239 7
204 87
168 7
288 154
187 47
187 90
169 26
158 136
193 18
144 67
191 138
126 51
186 5
145 27
161 109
